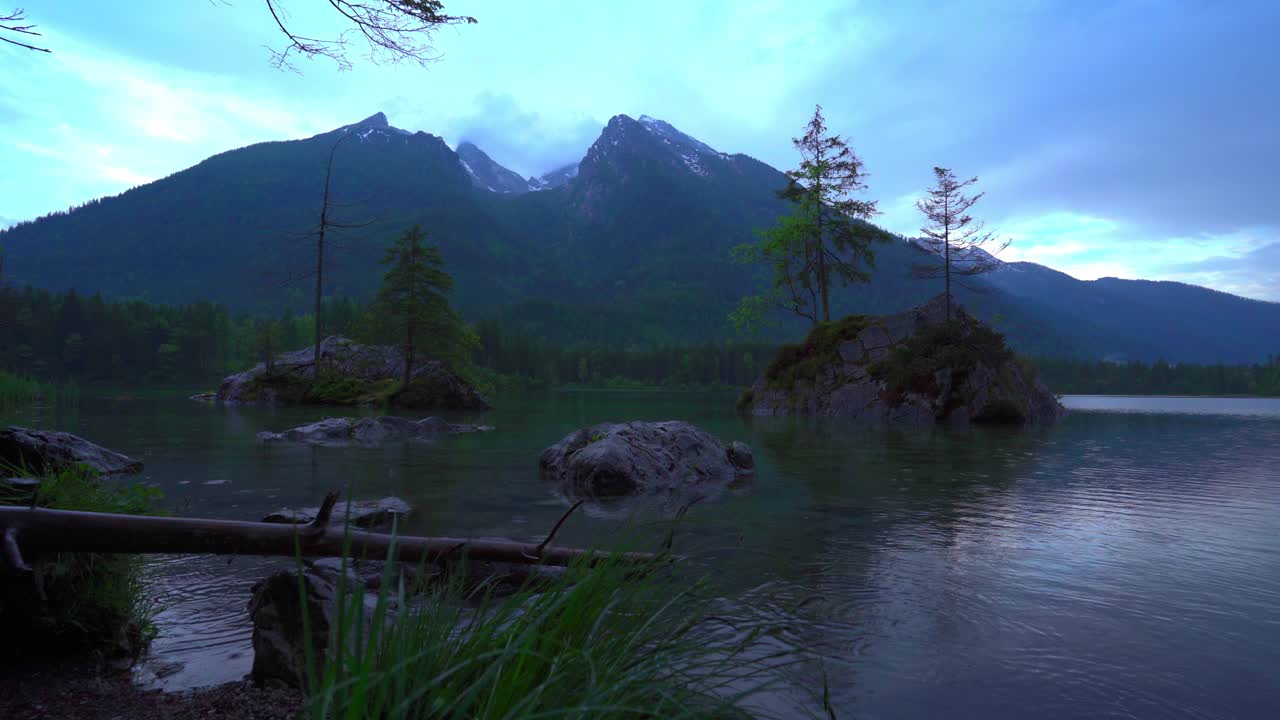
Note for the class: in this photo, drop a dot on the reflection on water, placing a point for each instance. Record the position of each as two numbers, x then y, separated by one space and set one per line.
1125 563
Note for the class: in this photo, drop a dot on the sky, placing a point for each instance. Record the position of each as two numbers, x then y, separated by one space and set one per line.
1129 139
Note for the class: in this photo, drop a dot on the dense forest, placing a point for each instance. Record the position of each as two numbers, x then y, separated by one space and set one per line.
60 337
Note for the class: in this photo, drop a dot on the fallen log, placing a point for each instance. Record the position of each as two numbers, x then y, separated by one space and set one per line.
35 529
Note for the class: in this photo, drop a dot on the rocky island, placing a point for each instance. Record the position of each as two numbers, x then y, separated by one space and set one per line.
912 367
351 374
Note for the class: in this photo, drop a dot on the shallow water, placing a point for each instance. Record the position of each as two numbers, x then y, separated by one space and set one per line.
1125 563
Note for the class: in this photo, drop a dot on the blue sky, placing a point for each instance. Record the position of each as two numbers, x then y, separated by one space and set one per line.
1129 139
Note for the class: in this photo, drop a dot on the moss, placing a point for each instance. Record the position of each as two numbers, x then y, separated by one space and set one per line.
821 348
746 400
335 389
958 347
379 392
91 602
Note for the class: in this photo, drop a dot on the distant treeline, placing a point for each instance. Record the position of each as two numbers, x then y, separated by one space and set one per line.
1074 377
528 360
55 336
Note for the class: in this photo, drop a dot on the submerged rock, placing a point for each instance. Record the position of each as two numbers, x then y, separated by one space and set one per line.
47 451
909 368
368 431
352 374
618 459
365 514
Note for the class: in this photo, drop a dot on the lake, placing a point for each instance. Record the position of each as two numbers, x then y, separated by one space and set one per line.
1125 563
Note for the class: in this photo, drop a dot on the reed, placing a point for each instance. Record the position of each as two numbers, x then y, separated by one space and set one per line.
609 641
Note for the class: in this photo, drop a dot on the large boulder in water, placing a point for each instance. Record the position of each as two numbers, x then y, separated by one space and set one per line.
618 459
367 431
278 607
47 451
352 374
912 368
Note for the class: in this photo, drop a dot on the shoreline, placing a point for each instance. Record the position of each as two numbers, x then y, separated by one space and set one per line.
85 693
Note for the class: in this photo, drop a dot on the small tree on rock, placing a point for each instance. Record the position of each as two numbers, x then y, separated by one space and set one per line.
826 236
413 302
952 237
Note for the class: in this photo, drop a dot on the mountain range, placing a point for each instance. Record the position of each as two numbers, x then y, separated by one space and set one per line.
629 246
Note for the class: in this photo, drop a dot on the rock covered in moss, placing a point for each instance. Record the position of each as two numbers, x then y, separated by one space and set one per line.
616 459
352 374
48 451
910 368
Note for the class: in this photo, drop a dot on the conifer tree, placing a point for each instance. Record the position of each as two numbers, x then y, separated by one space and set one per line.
825 237
413 302
952 237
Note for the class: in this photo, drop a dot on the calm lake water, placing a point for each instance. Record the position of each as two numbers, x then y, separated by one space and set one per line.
1125 563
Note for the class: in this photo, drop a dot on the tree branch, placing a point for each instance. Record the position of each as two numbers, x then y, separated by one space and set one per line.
13 23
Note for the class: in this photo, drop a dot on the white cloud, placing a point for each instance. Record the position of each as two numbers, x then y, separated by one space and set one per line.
124 176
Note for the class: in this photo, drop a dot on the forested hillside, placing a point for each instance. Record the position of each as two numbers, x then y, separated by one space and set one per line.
631 249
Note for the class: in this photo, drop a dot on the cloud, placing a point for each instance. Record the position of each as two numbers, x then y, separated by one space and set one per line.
1112 138
527 141
124 175
1244 262
1255 273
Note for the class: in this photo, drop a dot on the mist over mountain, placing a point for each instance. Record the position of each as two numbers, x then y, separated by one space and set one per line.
629 246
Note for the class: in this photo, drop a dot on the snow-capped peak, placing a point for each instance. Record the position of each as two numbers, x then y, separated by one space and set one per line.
374 126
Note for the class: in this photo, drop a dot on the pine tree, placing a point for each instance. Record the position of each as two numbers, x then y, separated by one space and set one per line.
953 237
826 235
838 239
413 302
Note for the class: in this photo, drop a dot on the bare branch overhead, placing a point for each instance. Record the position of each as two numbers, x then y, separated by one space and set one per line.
393 31
16 23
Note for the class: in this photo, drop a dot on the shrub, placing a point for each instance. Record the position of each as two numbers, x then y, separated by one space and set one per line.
958 346
794 363
90 602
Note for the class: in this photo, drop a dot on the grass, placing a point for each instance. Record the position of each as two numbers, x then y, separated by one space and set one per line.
91 602
613 641
18 390
802 362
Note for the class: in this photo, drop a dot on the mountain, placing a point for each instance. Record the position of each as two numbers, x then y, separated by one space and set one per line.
555 178
629 246
1178 321
489 175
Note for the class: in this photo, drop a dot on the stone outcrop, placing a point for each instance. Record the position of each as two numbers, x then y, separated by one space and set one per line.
364 514
277 609
352 374
620 459
47 451
367 431
908 368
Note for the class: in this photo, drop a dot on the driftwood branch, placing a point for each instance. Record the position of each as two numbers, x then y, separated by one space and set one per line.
537 553
45 530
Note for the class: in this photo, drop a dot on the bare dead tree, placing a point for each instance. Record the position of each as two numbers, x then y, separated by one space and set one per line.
393 30
16 22
320 234
952 236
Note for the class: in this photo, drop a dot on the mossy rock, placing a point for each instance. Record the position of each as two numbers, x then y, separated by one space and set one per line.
821 348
